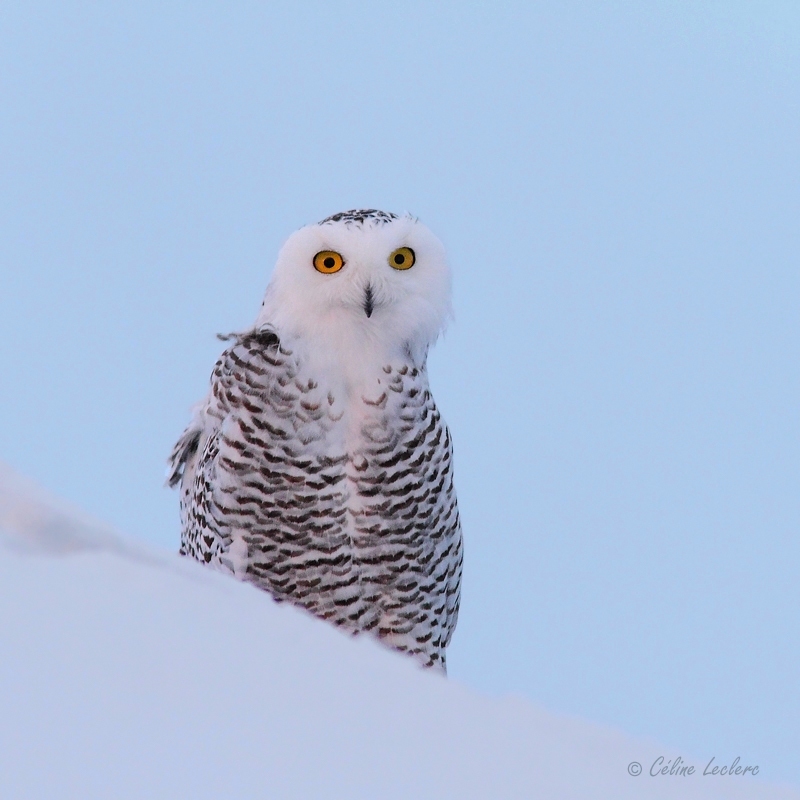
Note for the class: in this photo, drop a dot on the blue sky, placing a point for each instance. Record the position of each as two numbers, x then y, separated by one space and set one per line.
617 185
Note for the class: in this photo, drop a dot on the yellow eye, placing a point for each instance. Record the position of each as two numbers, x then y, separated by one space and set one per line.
402 258
328 261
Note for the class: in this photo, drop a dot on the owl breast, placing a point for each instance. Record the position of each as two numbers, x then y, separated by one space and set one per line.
338 498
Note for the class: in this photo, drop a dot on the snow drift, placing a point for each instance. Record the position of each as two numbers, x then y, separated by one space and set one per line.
128 673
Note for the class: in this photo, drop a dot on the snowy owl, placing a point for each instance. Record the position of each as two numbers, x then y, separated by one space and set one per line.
318 466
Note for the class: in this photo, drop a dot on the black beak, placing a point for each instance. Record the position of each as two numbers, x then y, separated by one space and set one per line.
369 303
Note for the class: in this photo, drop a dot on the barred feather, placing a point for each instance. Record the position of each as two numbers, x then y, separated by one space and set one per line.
367 538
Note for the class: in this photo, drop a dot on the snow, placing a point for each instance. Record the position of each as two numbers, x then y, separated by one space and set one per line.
130 673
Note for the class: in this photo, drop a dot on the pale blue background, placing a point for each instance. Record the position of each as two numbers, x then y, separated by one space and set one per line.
617 185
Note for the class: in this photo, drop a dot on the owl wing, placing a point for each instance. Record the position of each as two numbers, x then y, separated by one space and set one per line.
445 547
455 560
245 371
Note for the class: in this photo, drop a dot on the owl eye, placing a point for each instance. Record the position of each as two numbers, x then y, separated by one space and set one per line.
328 262
402 258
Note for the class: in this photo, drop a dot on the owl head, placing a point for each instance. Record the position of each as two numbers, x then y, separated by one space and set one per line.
361 277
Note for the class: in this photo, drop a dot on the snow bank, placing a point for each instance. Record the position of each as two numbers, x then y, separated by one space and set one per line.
127 673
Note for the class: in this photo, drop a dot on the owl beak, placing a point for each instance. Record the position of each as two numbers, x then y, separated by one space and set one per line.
369 302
